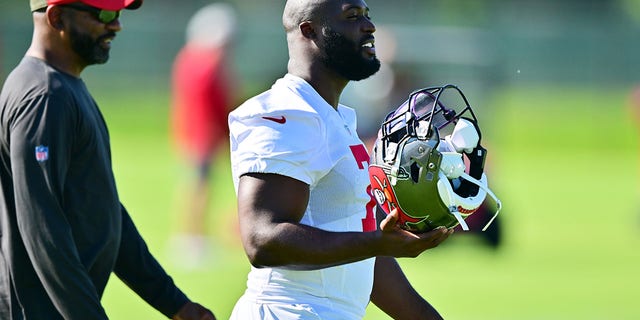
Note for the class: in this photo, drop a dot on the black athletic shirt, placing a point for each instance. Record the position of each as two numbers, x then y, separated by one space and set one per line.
63 229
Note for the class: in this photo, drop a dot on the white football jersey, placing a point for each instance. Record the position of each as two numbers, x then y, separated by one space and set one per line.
291 130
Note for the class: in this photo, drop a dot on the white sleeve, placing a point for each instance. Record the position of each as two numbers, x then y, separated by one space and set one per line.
295 148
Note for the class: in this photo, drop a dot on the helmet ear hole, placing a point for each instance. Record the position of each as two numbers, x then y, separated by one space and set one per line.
415 172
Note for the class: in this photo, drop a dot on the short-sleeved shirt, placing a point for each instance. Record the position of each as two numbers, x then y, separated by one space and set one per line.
63 229
291 130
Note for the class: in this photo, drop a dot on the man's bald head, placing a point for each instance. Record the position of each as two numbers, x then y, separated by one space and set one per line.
298 11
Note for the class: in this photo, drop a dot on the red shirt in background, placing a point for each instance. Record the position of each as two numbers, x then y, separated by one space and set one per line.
202 94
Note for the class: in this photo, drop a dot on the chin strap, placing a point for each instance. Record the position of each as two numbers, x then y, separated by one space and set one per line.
489 192
460 219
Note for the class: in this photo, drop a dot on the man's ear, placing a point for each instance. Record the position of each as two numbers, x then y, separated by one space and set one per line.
307 30
54 17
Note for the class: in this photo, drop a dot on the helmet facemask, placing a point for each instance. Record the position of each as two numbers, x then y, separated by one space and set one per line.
428 162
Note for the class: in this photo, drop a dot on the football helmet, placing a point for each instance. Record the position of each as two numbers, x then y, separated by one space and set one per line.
428 162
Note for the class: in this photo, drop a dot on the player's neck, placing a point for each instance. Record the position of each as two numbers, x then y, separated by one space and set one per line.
328 85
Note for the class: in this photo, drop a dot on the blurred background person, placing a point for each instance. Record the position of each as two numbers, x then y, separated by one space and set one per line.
203 89
492 237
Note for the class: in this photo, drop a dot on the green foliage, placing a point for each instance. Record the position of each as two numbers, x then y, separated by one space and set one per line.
564 163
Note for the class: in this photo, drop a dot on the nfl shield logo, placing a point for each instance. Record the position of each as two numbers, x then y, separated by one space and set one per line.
42 153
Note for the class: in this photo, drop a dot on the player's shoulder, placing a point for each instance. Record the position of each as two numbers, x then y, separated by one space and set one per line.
348 113
274 100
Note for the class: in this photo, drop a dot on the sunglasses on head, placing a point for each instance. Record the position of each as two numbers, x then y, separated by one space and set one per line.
104 16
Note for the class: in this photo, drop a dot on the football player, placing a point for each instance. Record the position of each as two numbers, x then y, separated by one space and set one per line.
307 218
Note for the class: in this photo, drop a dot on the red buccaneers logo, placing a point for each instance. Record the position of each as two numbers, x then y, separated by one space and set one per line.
385 196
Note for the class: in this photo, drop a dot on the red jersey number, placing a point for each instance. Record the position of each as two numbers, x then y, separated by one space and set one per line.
362 157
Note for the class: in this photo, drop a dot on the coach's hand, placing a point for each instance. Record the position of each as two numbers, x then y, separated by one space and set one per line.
398 242
194 311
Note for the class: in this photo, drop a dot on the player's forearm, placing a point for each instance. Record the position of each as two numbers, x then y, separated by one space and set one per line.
394 295
300 247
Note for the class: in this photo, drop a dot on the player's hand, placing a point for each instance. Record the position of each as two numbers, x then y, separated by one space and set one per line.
194 311
403 243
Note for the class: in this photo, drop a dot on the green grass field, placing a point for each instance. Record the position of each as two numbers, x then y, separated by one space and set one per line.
564 164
